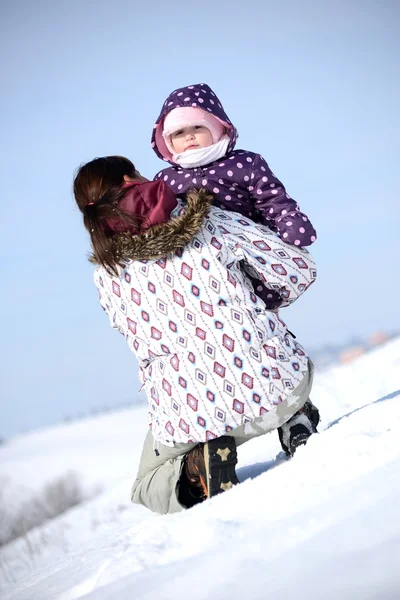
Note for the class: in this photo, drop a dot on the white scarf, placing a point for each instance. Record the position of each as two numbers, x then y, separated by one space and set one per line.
202 156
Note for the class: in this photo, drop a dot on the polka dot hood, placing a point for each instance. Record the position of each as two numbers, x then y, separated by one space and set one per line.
201 96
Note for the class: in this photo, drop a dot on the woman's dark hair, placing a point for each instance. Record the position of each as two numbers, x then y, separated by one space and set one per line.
98 191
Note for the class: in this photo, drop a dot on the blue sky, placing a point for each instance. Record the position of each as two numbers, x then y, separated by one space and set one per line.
312 86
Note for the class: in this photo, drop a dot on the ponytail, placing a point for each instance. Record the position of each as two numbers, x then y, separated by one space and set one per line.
98 189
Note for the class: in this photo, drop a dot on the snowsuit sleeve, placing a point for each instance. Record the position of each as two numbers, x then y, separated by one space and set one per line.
277 207
285 269
107 301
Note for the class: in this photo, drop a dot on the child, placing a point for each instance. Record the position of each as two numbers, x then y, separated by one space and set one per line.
194 134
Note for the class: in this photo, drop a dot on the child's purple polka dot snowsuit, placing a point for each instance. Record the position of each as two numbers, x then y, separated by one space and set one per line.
241 181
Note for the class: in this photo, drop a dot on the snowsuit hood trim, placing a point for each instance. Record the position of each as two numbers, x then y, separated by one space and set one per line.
196 96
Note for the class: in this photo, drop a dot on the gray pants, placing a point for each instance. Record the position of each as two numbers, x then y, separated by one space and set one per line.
157 481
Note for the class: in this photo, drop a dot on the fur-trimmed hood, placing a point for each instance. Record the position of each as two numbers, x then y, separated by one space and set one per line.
164 239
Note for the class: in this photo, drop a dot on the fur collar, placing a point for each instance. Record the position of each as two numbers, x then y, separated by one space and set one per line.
164 239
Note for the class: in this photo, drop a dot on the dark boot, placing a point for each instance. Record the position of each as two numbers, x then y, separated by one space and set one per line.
208 470
299 428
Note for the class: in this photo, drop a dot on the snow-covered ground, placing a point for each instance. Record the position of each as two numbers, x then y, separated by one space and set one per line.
324 525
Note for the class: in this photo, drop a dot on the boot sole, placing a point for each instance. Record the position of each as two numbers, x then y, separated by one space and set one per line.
220 459
297 441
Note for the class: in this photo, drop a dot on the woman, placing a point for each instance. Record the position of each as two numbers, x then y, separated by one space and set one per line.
217 367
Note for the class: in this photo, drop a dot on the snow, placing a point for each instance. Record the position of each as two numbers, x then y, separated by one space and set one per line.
325 524
98 449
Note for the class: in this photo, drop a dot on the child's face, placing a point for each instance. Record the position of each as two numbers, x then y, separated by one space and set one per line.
188 138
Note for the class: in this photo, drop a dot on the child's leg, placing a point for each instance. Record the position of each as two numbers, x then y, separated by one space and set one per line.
157 481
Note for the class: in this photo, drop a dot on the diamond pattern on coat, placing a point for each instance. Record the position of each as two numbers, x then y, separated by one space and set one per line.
144 270
255 354
192 402
238 406
270 350
169 428
287 384
200 333
200 376
161 307
229 388
193 321
228 342
209 350
247 380
246 335
189 317
214 284
186 271
166 386
132 325
237 316
197 245
176 407
210 396
207 308
280 269
219 369
173 326
174 362
136 297
220 414
275 373
282 253
169 279
301 263
155 333
216 243
116 289
238 362
201 421
178 298
182 341
262 245
184 426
